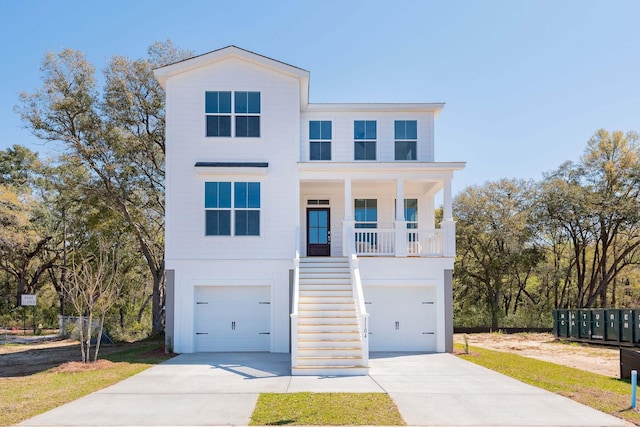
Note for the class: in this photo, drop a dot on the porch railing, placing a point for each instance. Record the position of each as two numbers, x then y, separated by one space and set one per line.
358 295
294 308
375 241
425 242
386 242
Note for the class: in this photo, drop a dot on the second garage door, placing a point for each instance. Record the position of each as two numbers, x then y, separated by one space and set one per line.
401 318
232 318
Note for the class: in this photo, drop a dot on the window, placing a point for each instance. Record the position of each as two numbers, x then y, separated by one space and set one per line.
366 213
319 140
246 202
406 136
218 111
217 204
411 212
245 199
246 110
364 134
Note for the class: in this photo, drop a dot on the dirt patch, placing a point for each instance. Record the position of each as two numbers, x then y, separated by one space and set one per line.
84 367
600 360
26 359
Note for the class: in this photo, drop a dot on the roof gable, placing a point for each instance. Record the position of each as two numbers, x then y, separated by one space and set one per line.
233 52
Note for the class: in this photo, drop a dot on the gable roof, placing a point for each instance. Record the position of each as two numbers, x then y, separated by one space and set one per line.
163 73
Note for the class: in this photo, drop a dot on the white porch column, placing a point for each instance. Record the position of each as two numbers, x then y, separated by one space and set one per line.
347 223
401 224
448 225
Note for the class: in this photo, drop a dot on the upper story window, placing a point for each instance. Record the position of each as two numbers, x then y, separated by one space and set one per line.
365 135
218 111
217 205
218 202
246 108
319 140
366 213
406 137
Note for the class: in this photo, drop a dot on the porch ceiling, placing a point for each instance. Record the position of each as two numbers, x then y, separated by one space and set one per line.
338 171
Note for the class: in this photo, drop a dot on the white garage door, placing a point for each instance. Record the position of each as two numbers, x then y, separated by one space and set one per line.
401 318
232 318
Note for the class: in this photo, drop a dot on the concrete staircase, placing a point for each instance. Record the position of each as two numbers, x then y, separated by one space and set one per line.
329 342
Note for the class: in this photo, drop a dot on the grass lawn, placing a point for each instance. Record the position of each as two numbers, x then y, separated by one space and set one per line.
24 397
326 409
606 394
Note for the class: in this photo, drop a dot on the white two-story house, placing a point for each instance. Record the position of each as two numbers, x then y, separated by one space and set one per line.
301 228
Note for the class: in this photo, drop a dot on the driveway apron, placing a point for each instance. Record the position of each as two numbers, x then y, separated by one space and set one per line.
222 389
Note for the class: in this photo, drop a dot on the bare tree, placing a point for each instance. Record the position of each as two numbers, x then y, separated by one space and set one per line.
92 290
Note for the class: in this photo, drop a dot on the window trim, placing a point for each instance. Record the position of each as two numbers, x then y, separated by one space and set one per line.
321 140
365 223
366 140
233 115
404 139
234 209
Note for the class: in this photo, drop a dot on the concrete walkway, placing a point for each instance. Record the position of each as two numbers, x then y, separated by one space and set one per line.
222 389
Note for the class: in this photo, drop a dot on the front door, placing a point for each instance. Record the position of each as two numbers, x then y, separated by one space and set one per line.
318 232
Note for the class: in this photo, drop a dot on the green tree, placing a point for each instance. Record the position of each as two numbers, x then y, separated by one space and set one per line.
118 134
496 246
593 208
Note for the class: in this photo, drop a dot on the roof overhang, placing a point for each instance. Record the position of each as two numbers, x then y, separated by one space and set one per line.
433 107
423 171
233 52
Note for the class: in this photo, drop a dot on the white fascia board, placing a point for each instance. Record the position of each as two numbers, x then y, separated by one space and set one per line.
434 107
163 73
379 170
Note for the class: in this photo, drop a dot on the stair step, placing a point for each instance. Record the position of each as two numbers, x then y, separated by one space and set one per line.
328 336
309 306
327 313
325 284
326 299
316 343
324 260
330 361
330 351
314 320
324 281
324 269
330 371
336 327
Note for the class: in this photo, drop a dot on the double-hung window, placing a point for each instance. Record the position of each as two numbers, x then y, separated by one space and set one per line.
246 201
319 140
247 109
411 212
246 114
364 134
217 205
366 213
218 112
406 137
230 212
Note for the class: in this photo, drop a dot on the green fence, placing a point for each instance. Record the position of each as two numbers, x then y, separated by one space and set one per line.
605 326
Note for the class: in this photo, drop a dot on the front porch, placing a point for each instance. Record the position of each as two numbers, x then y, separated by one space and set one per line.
384 210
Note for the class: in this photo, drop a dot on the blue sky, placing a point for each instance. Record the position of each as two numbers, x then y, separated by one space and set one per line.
525 82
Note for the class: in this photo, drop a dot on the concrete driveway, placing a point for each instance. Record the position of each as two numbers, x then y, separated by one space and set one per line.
222 389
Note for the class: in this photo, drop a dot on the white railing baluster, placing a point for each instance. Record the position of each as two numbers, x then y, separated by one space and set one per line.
358 294
294 309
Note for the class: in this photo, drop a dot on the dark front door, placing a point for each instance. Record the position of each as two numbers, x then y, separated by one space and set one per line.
318 232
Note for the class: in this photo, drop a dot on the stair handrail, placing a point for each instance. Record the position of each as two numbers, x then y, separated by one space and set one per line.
358 295
294 308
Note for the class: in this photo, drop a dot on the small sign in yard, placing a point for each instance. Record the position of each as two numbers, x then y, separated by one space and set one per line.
28 300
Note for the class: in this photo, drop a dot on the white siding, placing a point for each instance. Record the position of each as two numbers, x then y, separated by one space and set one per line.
342 133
